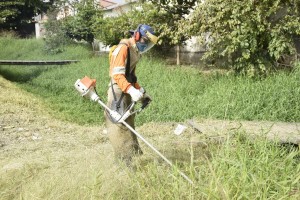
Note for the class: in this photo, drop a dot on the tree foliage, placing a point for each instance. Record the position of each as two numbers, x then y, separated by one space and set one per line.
55 38
252 37
175 7
166 21
79 27
177 11
9 10
110 30
18 15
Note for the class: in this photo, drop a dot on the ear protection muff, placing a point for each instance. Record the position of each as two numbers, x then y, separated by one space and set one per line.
137 35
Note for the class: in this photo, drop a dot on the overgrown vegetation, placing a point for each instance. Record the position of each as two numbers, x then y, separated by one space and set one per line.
178 93
74 163
109 33
251 37
17 15
80 26
254 38
56 38
77 165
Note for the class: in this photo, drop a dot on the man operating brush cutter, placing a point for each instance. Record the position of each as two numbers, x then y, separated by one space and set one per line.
124 88
86 87
123 94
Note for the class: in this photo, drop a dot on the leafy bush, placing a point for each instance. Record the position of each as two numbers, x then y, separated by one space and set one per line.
17 15
79 27
252 37
55 37
110 30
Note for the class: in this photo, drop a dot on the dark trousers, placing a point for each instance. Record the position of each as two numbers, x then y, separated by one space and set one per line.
124 142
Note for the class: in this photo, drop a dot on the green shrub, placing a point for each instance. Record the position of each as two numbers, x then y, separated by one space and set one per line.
252 37
79 27
55 38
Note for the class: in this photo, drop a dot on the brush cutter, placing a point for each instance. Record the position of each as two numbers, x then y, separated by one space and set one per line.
86 87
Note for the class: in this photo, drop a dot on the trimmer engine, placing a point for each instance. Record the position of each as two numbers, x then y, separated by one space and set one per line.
86 87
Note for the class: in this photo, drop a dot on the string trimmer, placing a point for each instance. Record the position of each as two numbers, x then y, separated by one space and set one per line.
86 87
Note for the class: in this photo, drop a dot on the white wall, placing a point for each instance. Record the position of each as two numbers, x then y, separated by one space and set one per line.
114 12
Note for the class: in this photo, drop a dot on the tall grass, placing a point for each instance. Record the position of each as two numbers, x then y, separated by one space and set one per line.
78 167
238 169
183 93
178 93
241 168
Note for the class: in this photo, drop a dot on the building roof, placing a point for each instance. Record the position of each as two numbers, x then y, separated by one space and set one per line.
105 3
111 4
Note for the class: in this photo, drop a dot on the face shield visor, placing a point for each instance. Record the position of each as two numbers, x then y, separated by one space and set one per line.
146 42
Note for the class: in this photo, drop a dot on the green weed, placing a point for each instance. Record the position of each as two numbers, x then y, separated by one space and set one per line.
178 93
78 166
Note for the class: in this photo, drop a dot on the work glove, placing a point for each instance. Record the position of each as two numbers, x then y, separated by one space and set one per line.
134 93
142 90
145 96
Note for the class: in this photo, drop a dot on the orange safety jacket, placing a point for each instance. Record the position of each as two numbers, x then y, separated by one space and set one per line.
123 64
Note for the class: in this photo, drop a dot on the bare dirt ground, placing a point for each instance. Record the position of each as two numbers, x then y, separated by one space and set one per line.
26 128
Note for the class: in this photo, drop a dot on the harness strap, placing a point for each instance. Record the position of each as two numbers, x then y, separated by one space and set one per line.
113 91
130 77
120 100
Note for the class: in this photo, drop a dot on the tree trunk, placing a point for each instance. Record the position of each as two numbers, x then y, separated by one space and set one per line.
178 55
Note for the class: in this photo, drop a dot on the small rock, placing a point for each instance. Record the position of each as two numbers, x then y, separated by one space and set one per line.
104 132
20 129
36 136
27 134
179 129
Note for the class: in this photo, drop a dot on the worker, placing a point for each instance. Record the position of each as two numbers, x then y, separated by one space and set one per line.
124 89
